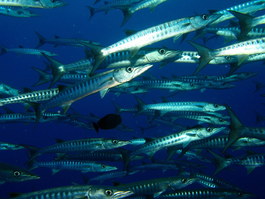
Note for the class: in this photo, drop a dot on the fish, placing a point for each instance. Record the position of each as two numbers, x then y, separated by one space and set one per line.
6 90
83 166
151 35
20 12
183 138
33 4
10 173
27 51
99 83
109 121
78 191
9 146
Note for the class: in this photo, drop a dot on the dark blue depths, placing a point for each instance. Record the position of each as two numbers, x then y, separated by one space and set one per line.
73 21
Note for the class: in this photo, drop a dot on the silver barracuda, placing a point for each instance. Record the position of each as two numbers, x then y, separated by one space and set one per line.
10 173
9 146
27 51
85 191
247 7
249 161
174 28
158 186
35 96
241 49
20 12
58 41
100 83
90 144
183 138
206 193
152 4
32 3
83 166
181 106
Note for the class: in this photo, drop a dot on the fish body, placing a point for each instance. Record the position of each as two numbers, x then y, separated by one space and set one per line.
9 146
160 32
101 82
32 3
83 166
28 51
85 191
35 96
183 138
90 144
9 11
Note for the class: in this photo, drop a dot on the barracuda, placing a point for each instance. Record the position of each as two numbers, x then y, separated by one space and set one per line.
6 90
58 41
206 193
157 33
241 49
100 83
33 3
27 51
83 166
9 146
183 138
152 4
181 106
9 11
70 192
247 7
90 144
202 117
156 187
249 161
35 96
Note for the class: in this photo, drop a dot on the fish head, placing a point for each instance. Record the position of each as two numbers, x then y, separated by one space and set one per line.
20 175
114 143
122 75
104 167
213 107
161 54
203 20
208 131
181 182
107 193
248 141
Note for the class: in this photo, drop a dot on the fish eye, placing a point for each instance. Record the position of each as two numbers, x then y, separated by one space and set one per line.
228 57
204 17
162 51
184 180
115 141
108 192
129 69
16 173
103 166
209 129
216 105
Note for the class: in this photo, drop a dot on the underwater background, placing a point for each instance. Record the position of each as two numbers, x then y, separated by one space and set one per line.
72 21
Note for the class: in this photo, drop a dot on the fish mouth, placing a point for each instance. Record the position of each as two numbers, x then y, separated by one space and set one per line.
121 194
142 69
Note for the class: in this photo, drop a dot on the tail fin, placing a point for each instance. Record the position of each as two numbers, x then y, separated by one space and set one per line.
96 127
126 16
56 71
205 56
220 162
235 128
44 77
92 11
42 40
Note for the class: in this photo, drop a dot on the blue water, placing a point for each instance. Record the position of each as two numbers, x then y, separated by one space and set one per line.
73 21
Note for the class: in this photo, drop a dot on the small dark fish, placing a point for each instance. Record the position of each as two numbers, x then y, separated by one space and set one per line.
109 121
